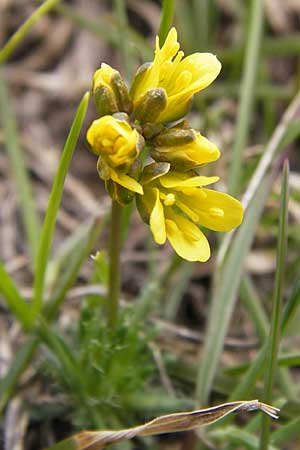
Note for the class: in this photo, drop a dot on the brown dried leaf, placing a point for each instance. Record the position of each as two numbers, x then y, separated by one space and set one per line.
96 440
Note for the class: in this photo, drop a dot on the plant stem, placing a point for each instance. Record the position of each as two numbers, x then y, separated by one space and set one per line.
166 20
24 29
124 42
114 264
254 38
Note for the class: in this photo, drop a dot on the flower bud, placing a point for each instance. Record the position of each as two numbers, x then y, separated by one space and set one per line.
110 92
118 146
184 149
150 105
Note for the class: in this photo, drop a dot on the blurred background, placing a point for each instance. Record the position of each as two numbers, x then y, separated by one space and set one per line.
41 84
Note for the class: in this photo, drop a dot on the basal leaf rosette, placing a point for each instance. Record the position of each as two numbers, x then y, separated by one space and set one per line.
118 146
175 203
178 76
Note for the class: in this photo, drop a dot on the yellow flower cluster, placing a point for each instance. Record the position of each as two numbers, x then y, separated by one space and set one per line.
147 151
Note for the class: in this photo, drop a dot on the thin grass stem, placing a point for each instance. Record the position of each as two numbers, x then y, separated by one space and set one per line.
24 29
115 239
247 93
166 20
274 337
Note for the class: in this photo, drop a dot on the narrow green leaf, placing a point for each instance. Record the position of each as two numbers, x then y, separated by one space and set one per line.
244 114
53 205
225 295
122 24
166 20
20 34
20 362
274 338
77 256
254 306
25 355
19 172
237 436
107 30
286 433
13 298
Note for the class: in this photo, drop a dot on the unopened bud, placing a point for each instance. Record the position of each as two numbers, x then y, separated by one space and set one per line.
151 105
118 193
110 92
174 136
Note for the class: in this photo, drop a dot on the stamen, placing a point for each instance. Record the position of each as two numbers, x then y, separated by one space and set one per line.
169 199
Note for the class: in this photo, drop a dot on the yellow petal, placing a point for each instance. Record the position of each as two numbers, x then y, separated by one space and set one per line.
187 240
157 220
216 210
176 180
126 181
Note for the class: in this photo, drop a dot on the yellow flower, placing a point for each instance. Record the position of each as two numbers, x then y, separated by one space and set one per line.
174 204
184 149
117 146
180 77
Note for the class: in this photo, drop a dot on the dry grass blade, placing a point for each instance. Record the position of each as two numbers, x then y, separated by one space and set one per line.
96 440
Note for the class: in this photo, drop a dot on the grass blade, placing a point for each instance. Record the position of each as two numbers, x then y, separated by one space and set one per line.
53 204
244 113
76 257
225 295
19 35
275 321
20 362
13 298
18 168
166 20
25 355
121 15
286 432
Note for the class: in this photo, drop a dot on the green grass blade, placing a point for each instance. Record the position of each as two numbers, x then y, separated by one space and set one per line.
24 356
237 436
77 257
20 362
108 31
122 24
244 113
276 313
225 295
19 172
20 34
286 433
53 204
13 299
254 306
166 20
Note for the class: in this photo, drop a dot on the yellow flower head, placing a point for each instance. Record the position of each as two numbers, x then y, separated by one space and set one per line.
180 77
174 204
184 149
117 146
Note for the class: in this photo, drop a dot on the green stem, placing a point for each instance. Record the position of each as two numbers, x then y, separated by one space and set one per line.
20 34
165 20
247 89
124 42
114 264
274 337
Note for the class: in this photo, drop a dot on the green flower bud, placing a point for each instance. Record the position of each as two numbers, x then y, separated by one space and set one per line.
174 136
119 193
150 105
110 92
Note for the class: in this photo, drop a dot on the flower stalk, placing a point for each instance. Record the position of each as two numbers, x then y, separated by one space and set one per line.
114 281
